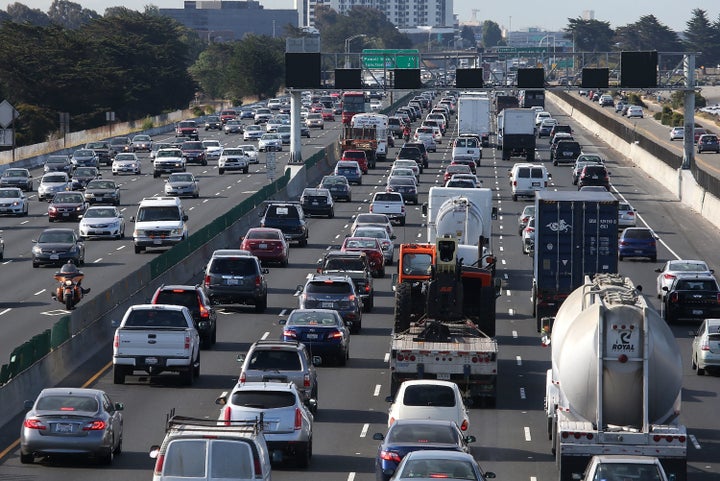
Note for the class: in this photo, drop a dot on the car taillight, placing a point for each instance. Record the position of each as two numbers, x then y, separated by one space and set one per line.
464 425
674 297
187 342
371 208
717 297
258 281
298 419
33 423
335 335
204 312
258 467
653 243
623 243
391 421
514 183
705 346
390 456
96 425
306 380
669 277
227 415
242 378
116 341
207 281
159 462
289 333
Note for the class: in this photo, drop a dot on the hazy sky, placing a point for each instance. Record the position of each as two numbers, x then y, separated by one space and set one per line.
518 14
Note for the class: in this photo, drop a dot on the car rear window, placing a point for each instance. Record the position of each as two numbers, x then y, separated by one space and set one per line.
236 266
178 297
422 434
322 287
282 211
537 173
263 399
429 395
637 234
523 173
345 265
67 403
696 285
263 235
275 359
155 318
383 197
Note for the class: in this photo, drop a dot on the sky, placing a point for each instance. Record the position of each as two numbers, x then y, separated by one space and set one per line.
517 15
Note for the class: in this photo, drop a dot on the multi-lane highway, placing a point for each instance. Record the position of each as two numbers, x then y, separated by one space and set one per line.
511 439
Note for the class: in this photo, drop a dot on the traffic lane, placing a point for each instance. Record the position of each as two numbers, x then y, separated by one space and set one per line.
32 293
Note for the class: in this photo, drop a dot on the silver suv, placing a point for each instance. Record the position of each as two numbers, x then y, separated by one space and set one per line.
287 422
204 450
282 361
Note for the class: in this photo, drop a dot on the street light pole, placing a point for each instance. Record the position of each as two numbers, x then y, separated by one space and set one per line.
347 47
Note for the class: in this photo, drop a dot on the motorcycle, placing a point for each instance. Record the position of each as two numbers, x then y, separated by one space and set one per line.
68 291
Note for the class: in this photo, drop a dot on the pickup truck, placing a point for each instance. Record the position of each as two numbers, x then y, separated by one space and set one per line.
187 128
156 338
691 296
391 204
620 466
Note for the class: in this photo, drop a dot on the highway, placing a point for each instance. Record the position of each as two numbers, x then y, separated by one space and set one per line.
511 439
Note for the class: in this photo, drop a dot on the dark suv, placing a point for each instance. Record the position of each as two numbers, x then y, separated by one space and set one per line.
289 217
198 303
565 151
317 201
235 276
354 265
708 142
282 361
560 128
594 175
421 147
194 152
412 153
332 292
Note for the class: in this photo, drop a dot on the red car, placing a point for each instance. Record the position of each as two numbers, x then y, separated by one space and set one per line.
359 156
372 248
469 162
328 115
455 169
316 108
267 244
67 206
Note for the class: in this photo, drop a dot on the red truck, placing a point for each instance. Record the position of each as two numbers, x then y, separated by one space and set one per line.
187 128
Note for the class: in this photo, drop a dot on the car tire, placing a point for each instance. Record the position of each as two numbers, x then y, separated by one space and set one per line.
331 214
620 257
303 242
699 371
27 458
261 305
303 455
221 171
342 358
653 259
187 377
139 249
119 374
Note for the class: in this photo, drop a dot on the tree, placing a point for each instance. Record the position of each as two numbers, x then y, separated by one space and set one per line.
589 35
19 13
69 14
491 34
210 70
647 34
256 66
467 35
335 28
702 36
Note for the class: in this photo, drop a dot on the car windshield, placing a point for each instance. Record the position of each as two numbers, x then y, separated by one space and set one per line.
371 219
68 197
67 403
236 266
438 468
401 181
125 157
56 161
100 184
84 153
100 212
334 181
14 173
96 145
376 233
158 213
211 143
56 237
419 433
233 152
429 395
85 171
275 359
180 178
9 193
192 146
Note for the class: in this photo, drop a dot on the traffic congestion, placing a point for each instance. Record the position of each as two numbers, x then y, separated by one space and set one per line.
253 363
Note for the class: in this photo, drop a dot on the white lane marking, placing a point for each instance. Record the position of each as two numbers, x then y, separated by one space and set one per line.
364 431
695 442
514 334
5 311
518 359
511 312
205 200
501 217
419 235
265 335
386 358
527 433
120 248
351 476
501 226
507 292
376 392
502 248
522 393
505 275
500 237
533 478
503 261
24 222
39 292
97 260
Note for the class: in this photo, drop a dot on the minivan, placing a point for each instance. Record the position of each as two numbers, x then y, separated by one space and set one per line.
526 179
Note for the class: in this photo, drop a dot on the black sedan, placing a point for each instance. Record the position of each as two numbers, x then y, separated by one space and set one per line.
72 421
57 246
102 191
323 331
406 435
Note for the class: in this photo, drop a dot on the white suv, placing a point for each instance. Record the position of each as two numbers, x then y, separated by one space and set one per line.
160 222
288 423
429 399
233 159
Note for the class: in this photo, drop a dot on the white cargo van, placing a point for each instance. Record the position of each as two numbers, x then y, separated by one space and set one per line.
526 179
160 222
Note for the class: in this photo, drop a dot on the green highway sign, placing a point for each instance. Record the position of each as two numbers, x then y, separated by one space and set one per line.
379 59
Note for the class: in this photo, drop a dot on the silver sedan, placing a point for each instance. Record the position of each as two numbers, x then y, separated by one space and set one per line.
669 271
102 221
182 184
72 421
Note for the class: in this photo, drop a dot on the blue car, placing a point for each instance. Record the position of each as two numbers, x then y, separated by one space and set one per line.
407 435
323 331
637 242
349 169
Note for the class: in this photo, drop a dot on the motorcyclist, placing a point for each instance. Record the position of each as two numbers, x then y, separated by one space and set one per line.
69 270
406 133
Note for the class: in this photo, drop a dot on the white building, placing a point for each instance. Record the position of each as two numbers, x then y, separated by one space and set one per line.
402 13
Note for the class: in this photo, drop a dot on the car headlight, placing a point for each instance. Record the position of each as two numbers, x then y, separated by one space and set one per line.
177 231
138 233
37 250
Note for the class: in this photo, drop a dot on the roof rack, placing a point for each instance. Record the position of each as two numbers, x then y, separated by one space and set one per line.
190 424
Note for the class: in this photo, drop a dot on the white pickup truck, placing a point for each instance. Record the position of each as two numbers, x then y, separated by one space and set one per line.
156 338
391 204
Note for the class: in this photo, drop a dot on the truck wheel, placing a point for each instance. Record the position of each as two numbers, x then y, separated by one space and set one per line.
196 369
118 375
370 303
402 221
188 377
303 455
403 307
221 171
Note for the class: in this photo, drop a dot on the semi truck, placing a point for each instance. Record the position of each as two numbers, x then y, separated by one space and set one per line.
474 116
615 382
576 235
380 124
360 138
467 215
516 133
444 321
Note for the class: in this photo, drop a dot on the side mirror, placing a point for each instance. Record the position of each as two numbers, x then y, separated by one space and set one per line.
115 323
154 450
316 360
119 407
393 237
470 439
549 175
184 217
349 324
282 322
265 270
299 288
28 405
240 358
221 400
389 399
489 475
659 269
665 288
425 209
378 436
132 218
494 213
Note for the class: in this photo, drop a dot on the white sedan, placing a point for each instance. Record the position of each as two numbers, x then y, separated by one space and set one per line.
126 163
251 151
213 149
102 221
252 132
13 201
429 399
669 271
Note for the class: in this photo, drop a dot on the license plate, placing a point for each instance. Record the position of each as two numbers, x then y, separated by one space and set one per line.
157 241
262 246
536 184
54 257
311 336
315 203
698 312
151 360
443 376
66 214
231 282
567 154
327 305
63 428
638 252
